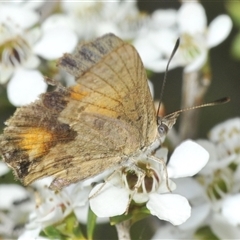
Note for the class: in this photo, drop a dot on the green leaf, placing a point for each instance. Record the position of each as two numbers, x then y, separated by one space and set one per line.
205 233
149 73
135 214
91 223
235 49
52 232
117 219
142 213
233 7
70 227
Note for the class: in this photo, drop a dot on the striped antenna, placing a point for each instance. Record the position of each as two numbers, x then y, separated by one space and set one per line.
214 103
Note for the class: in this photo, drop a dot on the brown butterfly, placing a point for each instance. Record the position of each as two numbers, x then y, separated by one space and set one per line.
105 119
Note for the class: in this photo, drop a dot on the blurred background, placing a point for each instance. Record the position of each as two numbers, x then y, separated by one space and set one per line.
34 35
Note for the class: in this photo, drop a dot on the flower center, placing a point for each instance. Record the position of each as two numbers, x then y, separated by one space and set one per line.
149 183
190 48
219 185
14 49
228 142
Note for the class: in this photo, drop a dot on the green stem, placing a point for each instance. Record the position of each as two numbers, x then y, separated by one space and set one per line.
123 230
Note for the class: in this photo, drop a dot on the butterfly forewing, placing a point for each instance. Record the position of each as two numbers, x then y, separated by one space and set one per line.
77 132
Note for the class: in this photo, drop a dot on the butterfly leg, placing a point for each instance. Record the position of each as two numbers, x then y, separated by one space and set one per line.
162 162
103 185
140 178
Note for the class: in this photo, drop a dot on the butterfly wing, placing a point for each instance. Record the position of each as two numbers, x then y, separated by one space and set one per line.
77 132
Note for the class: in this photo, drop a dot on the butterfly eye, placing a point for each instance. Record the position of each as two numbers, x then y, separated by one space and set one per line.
162 130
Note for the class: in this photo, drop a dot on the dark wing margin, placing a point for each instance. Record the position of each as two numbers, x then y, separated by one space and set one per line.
88 54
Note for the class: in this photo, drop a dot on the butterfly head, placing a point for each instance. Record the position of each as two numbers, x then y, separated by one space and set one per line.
165 124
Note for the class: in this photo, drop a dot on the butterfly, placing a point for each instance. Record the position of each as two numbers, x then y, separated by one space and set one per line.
105 119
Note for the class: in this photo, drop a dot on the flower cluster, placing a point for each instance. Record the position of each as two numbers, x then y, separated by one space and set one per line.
215 194
29 44
155 188
117 195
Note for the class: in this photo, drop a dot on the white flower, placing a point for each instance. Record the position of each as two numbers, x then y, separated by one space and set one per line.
223 229
28 82
231 206
95 18
52 207
15 205
226 137
114 196
18 48
215 197
23 14
57 38
224 148
195 39
3 168
11 193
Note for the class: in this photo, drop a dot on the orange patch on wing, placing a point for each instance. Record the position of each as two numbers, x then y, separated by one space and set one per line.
101 109
76 93
36 141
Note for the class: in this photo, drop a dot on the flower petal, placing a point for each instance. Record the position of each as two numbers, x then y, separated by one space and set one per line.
79 194
55 215
25 87
219 30
155 53
31 234
163 18
231 206
55 43
146 50
223 229
15 14
109 201
163 188
3 168
169 231
5 74
58 21
197 63
32 62
198 215
192 18
187 160
169 207
190 189
214 162
11 193
151 88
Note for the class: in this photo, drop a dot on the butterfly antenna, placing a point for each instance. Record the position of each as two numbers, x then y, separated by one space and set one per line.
214 103
165 75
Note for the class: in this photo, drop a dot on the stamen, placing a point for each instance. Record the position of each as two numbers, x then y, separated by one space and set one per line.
144 186
14 49
219 191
